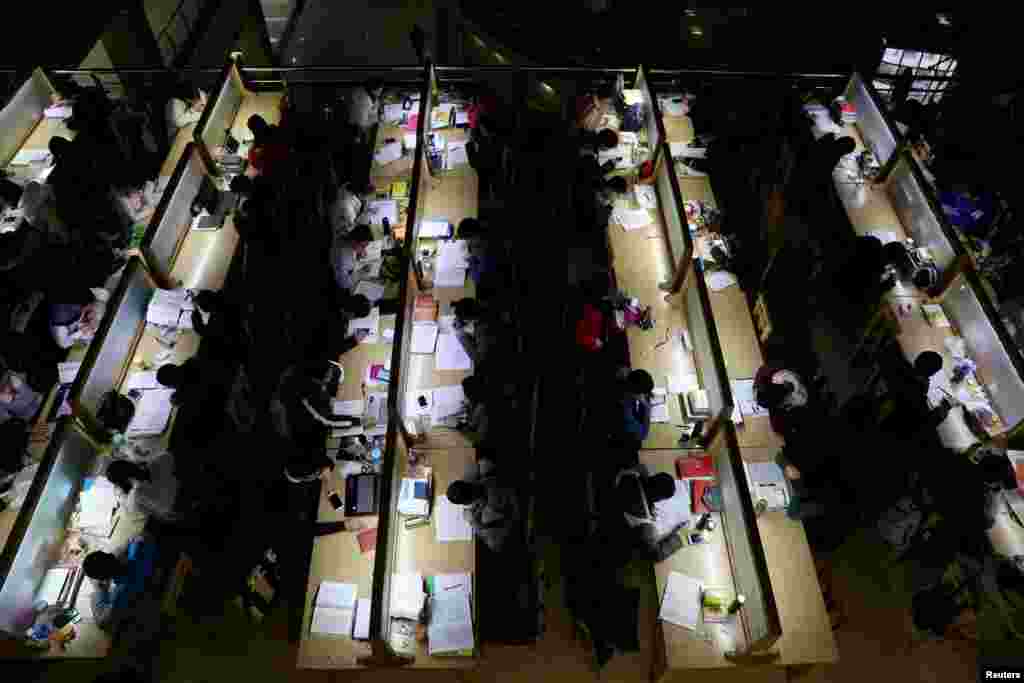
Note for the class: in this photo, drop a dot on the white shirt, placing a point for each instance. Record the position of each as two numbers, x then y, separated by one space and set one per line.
362 109
179 114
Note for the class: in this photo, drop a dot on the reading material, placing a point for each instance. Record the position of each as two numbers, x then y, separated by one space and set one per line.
450 354
165 307
435 228
361 630
672 512
450 630
142 379
457 155
407 596
743 393
682 601
388 153
335 608
450 524
631 219
448 402
424 337
659 406
53 585
151 413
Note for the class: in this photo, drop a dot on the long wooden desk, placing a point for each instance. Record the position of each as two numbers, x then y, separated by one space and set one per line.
205 257
266 104
39 140
399 167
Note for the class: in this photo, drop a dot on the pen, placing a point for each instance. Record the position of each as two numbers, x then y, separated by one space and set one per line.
448 588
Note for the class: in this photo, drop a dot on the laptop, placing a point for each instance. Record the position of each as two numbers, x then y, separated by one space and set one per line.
361 491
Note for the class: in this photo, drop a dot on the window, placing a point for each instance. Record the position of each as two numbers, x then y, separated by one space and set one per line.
922 64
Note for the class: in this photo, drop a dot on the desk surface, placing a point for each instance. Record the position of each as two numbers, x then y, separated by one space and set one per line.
205 257
266 104
46 130
399 167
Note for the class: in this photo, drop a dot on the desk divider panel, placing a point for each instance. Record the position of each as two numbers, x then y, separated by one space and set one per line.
707 350
761 622
670 202
106 363
655 127
219 115
21 115
877 134
36 540
917 213
173 219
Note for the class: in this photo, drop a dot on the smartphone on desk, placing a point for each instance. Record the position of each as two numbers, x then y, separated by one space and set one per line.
335 499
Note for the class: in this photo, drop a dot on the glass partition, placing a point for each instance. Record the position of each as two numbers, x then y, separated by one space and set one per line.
221 111
652 124
917 214
746 552
985 345
35 543
110 353
23 114
173 219
707 351
875 130
670 200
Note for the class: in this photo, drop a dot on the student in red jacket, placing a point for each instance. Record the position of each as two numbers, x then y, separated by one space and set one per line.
590 329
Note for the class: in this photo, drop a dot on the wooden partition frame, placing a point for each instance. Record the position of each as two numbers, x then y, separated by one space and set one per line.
24 114
231 77
191 161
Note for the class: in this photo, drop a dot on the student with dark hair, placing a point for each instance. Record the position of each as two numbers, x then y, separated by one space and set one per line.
151 488
186 379
346 252
123 581
472 328
269 149
636 492
781 392
116 412
220 323
483 264
491 507
18 400
78 318
184 108
635 405
476 423
905 408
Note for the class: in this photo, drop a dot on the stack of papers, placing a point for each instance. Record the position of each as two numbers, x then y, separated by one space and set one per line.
673 511
424 336
166 306
374 291
435 228
452 264
375 415
450 630
380 209
152 413
335 607
96 506
371 324
414 497
407 596
682 601
631 219
448 402
450 523
457 154
388 153
450 354
743 395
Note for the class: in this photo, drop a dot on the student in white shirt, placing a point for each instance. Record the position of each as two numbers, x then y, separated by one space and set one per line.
363 103
151 488
184 108
345 254
74 322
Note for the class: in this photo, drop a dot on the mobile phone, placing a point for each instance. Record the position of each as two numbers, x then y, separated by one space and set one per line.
334 498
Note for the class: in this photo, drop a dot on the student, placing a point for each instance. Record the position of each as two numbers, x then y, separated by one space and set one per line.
362 104
152 488
485 156
184 108
636 492
472 328
905 408
636 406
123 581
268 147
591 109
301 406
71 323
483 265
780 391
345 210
476 424
346 251
17 399
192 380
116 412
491 508
219 322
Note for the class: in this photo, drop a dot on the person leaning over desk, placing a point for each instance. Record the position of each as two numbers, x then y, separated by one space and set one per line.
637 386
491 507
636 492
905 407
151 487
125 589
184 108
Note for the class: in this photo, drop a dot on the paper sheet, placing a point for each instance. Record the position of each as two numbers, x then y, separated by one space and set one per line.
682 150
457 154
743 396
886 236
450 278
331 621
683 384
448 402
68 371
142 379
424 337
393 112
450 524
354 408
374 291
409 141
646 196
451 623
681 602
383 208
336 594
631 219
451 581
450 354
453 255
411 504
152 412
719 279
435 228
659 406
674 511
407 596
361 630
52 586
388 153
29 156
370 323
165 307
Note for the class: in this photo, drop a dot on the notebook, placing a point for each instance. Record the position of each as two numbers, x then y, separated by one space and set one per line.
681 603
424 337
700 467
335 609
450 630
407 596
435 228
361 629
450 524
152 413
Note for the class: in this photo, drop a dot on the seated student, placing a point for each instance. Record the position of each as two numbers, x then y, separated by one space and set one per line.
78 321
268 148
590 109
780 391
345 209
220 322
346 251
184 108
491 508
484 151
636 492
905 408
362 103
152 488
116 412
483 263
476 423
40 206
17 399
635 405
194 379
472 328
123 581
300 408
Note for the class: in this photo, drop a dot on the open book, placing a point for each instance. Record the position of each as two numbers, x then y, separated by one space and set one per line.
450 630
335 607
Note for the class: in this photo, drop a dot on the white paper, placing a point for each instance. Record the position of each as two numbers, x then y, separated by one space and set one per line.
451 622
407 596
354 408
450 354
621 155
408 503
659 406
412 403
450 278
96 505
448 402
67 371
719 279
451 581
58 111
450 524
646 196
165 307
370 323
424 337
435 228
765 473
142 379
393 112
374 291
683 150
674 511
632 219
52 586
336 594
29 156
409 141
331 621
152 412
682 601
461 118
361 630
457 154
628 137
453 255
743 395
683 384
886 236
383 208
388 153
